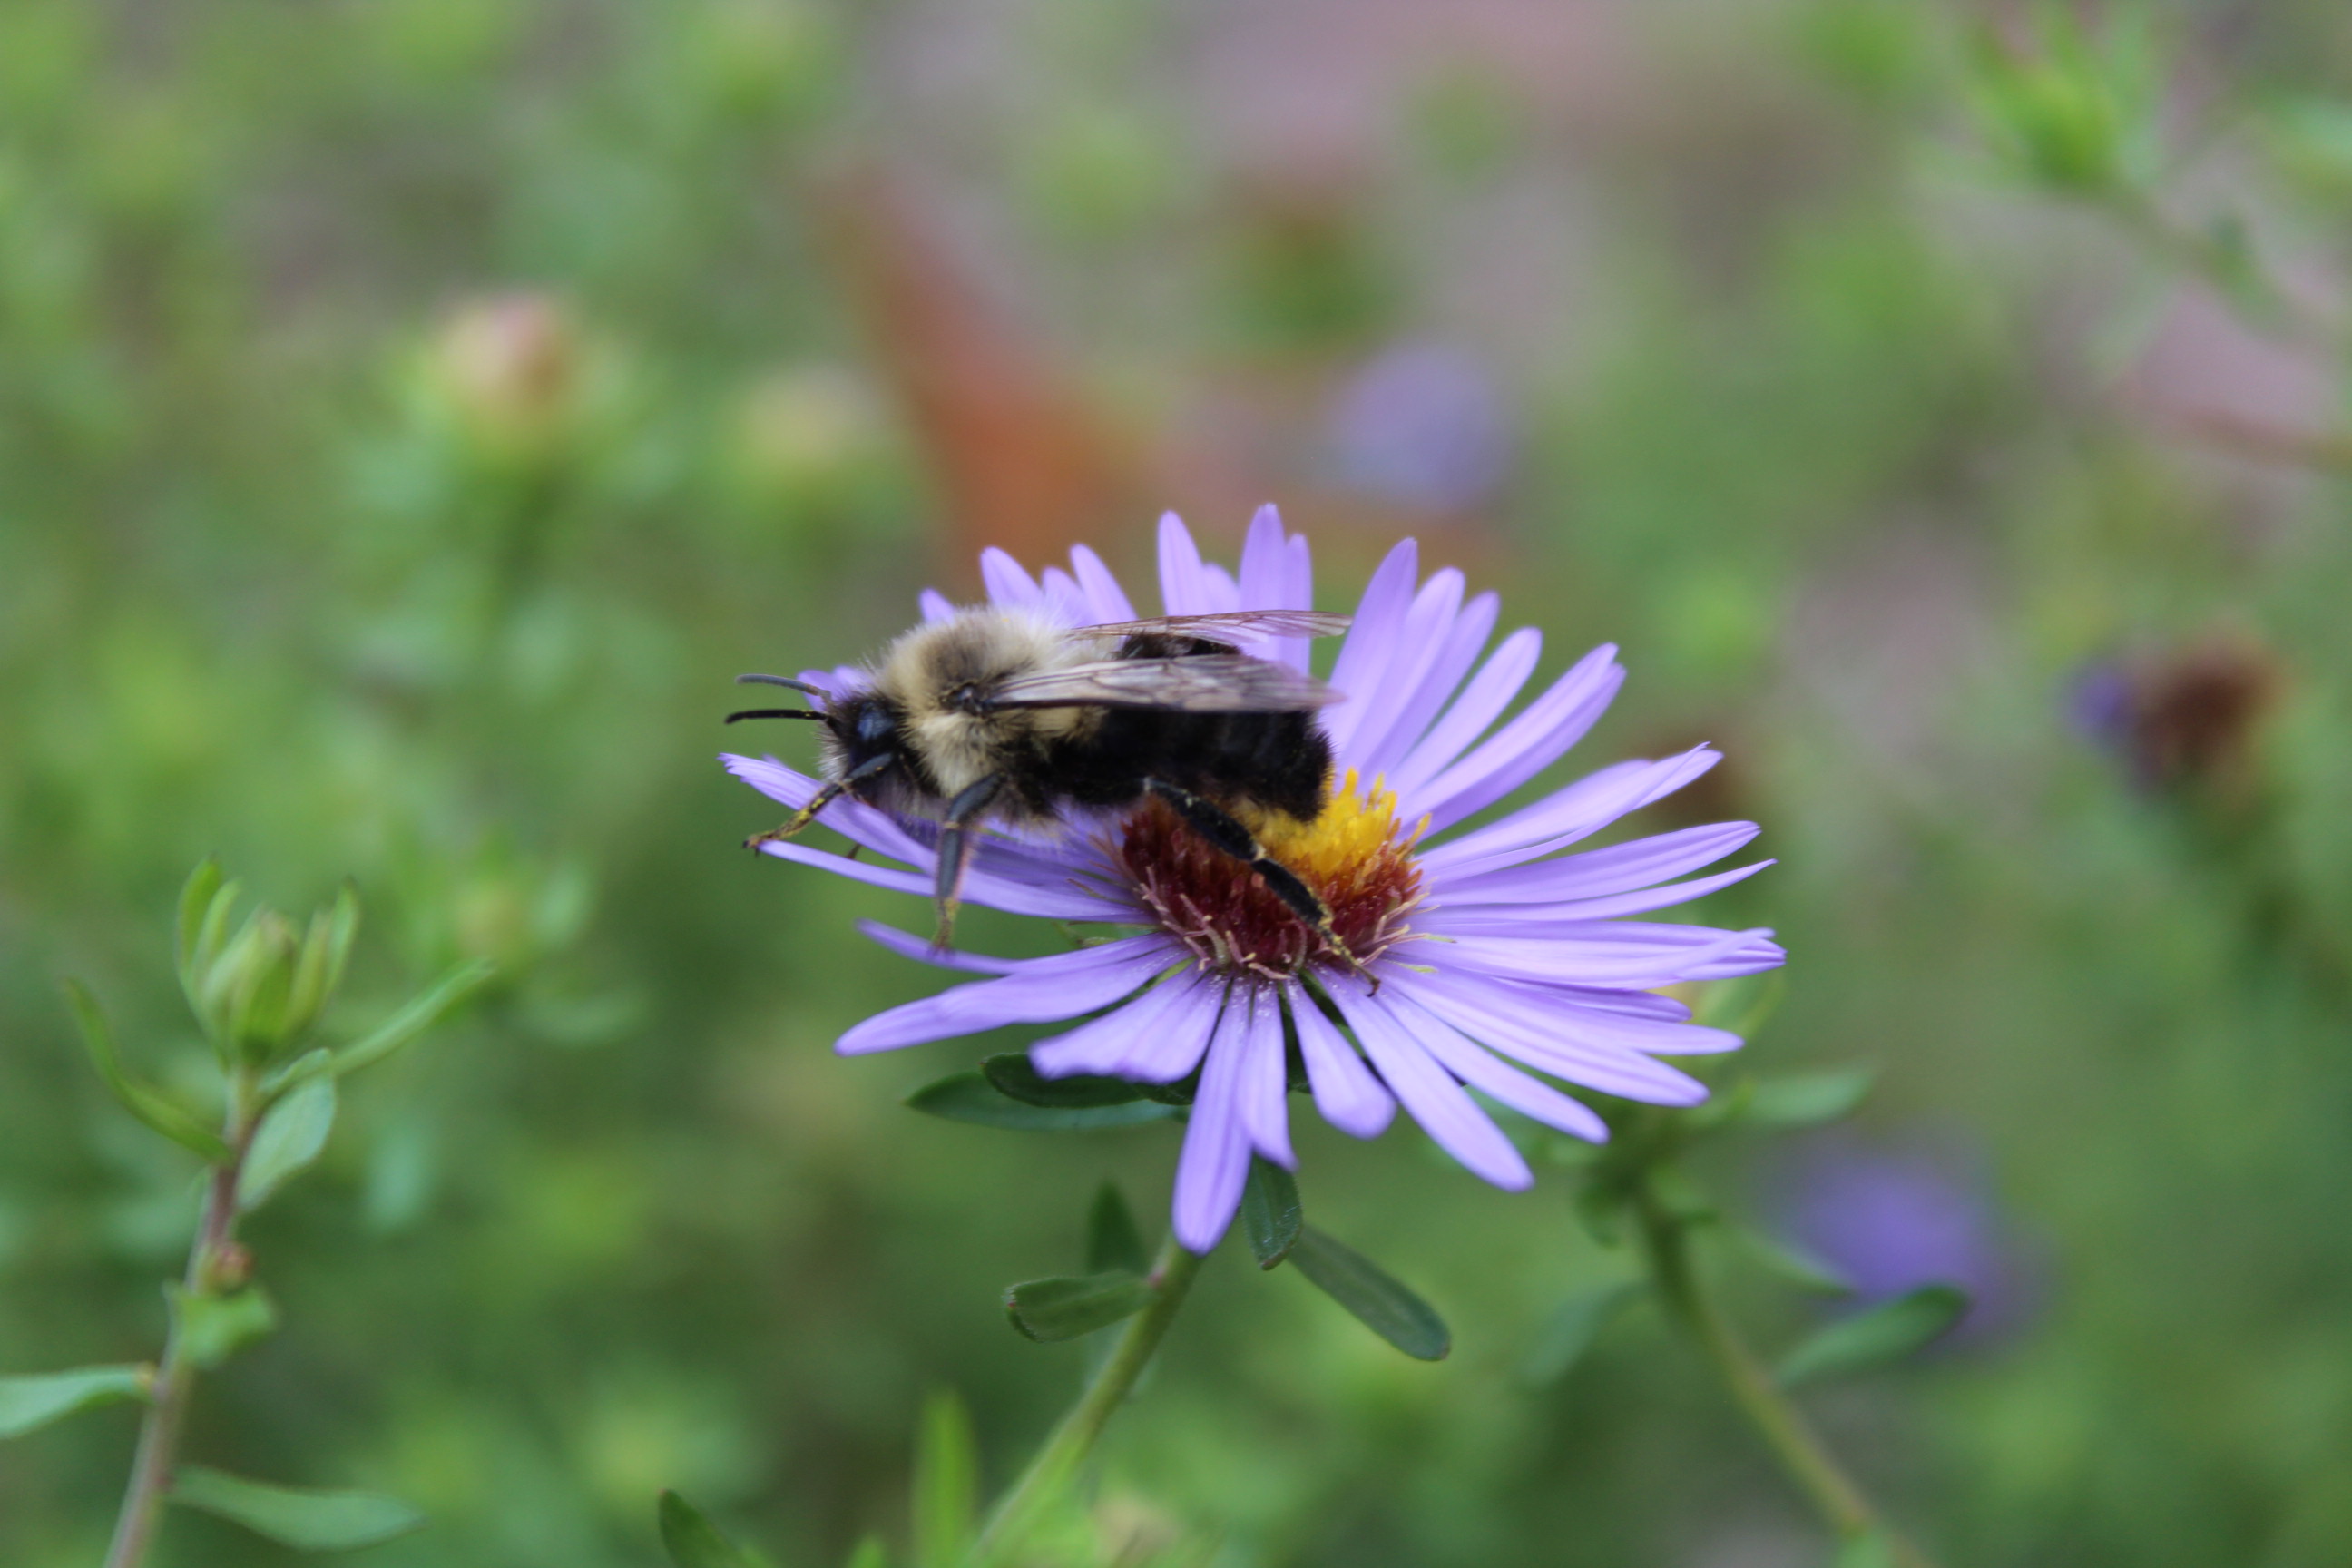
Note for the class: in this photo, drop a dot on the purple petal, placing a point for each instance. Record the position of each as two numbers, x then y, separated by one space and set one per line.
1265 1087
1533 919
1633 957
1267 582
936 606
1346 1092
1183 585
1008 585
1584 1016
1224 595
1372 640
907 945
1431 1095
1427 626
1415 712
1043 991
1216 1159
1064 600
1568 815
1546 1038
1155 1039
1481 703
853 819
1527 745
994 892
1596 873
1479 1070
1108 599
1753 959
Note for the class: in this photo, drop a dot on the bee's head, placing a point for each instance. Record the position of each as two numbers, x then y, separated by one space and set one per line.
859 728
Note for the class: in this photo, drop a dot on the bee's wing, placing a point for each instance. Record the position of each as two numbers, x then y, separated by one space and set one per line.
1229 624
1199 683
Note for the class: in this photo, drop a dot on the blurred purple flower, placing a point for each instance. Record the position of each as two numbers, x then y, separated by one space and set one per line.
1891 1222
1488 945
1422 425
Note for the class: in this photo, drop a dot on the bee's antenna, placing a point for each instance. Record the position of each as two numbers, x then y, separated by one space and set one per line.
780 713
779 680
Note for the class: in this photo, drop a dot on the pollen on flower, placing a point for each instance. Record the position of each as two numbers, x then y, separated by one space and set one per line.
1352 856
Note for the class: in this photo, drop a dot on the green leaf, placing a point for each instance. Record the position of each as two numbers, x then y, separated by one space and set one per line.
149 1104
325 951
1378 1301
693 1542
30 1401
1805 1099
947 1484
1601 1210
1574 1325
870 1553
1270 1211
1013 1074
413 1020
1113 1239
1064 1307
1869 1550
210 1328
291 1133
301 1517
970 1097
1793 1264
1884 1334
197 899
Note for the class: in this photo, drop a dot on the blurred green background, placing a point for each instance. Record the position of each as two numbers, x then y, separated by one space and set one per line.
414 412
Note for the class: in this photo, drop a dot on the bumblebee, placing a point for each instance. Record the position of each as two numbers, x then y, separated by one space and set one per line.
995 716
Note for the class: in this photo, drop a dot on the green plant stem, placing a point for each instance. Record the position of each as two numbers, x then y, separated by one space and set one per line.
1666 1238
175 1378
1173 1273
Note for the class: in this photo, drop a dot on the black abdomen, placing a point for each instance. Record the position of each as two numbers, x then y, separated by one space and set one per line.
1275 760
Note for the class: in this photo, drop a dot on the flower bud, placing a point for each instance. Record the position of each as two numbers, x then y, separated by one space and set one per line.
258 993
508 371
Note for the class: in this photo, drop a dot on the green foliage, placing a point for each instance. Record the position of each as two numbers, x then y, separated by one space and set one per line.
947 1484
290 1137
1877 1336
1064 1309
1574 1324
693 1542
974 1096
307 1519
147 1103
1114 1241
210 1326
1371 1296
30 1401
1271 1216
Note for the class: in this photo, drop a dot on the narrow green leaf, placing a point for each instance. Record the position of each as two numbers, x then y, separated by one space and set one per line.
30 1401
195 904
301 1517
325 949
1270 1211
290 1135
210 1328
1884 1334
149 1104
1806 1100
1376 1301
870 1553
1869 1550
1114 1241
1013 1074
947 1484
970 1097
1791 1263
1574 1325
693 1542
1064 1307
413 1020
1601 1210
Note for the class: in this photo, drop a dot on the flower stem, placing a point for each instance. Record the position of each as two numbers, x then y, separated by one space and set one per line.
1839 1503
209 1259
1171 1272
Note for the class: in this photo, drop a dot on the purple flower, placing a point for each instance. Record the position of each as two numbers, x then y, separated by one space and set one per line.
1490 947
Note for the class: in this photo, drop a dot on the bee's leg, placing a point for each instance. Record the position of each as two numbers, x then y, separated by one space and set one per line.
956 846
1213 823
834 790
